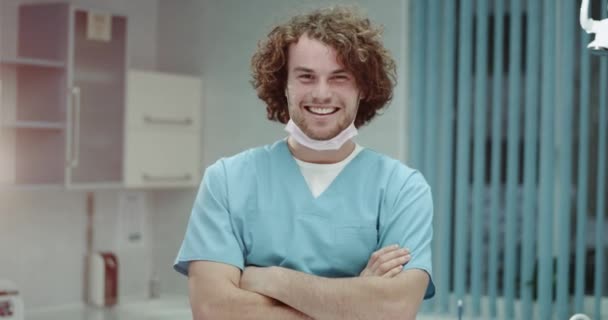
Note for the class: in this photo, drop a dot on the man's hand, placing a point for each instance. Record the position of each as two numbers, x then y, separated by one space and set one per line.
386 262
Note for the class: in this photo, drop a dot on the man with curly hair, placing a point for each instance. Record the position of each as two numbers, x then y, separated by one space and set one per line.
313 226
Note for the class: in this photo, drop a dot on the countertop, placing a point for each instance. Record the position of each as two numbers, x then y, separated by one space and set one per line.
164 308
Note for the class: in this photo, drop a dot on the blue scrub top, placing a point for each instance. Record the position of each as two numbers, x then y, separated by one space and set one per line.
255 208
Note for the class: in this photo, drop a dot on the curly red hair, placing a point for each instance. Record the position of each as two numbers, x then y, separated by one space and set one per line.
359 49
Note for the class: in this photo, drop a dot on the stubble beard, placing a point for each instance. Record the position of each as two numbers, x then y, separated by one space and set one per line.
304 125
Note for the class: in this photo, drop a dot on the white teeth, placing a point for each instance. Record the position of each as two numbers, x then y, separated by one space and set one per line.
321 110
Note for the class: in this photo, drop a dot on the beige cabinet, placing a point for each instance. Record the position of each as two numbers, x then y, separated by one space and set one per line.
163 101
163 130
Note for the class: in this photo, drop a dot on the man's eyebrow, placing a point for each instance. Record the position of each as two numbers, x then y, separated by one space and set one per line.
339 71
308 70
302 69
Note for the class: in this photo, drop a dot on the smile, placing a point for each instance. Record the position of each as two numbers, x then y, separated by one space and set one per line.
321 110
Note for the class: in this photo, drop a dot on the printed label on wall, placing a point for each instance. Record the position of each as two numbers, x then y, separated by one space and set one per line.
99 26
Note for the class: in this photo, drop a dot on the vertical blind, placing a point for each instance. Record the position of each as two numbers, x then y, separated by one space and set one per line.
507 117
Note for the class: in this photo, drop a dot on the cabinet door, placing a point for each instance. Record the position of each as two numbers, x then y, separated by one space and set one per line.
96 118
162 159
163 101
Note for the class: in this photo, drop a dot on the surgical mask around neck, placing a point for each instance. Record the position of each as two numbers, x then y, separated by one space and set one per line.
334 143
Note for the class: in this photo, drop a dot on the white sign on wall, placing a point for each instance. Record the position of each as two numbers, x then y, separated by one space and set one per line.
99 26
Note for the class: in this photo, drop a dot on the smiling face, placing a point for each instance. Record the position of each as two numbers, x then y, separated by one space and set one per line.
322 96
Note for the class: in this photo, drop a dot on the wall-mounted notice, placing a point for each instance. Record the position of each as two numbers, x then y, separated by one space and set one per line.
99 26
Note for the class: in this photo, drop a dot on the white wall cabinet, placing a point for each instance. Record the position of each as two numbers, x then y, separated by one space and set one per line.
64 114
163 130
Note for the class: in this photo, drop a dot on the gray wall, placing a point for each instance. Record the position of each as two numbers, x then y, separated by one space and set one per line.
216 39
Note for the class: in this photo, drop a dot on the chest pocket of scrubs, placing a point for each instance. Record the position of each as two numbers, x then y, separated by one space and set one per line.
354 246
331 248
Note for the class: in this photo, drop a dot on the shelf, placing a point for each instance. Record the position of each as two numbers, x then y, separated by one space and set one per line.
35 125
33 62
97 186
31 187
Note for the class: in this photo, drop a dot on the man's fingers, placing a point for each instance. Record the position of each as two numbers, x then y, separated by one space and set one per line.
393 272
395 254
386 261
393 263
381 252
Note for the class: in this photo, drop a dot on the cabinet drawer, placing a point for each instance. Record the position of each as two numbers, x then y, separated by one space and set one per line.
163 101
162 159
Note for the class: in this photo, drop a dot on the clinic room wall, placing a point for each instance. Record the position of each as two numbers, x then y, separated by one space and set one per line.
216 39
42 232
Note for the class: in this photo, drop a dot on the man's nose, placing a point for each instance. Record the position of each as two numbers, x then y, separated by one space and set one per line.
321 92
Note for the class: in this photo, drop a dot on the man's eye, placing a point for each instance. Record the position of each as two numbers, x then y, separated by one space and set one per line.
305 76
341 78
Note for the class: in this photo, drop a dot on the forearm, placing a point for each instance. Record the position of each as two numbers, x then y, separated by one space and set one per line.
235 303
344 298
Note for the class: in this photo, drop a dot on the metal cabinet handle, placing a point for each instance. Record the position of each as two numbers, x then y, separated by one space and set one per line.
156 120
76 136
153 178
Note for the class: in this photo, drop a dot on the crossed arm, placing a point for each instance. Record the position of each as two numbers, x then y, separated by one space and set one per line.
215 293
220 291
